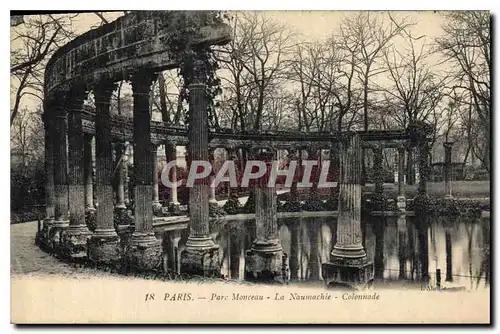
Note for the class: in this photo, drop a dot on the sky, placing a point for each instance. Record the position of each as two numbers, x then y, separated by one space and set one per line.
307 25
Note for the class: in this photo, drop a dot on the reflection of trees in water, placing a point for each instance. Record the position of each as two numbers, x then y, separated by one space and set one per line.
423 247
309 241
486 255
313 231
294 251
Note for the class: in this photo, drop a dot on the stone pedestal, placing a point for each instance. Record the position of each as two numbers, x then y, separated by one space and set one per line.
349 266
104 245
263 262
201 255
200 261
143 253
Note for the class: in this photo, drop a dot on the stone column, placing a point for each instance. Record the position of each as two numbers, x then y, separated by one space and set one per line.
334 169
447 170
144 251
211 198
423 166
156 189
314 155
171 155
395 167
61 208
74 239
120 177
294 156
377 169
88 171
120 213
230 156
348 266
48 123
401 179
201 255
263 260
103 246
126 178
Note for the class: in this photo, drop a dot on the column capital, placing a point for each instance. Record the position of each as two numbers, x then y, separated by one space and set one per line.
195 68
448 144
141 82
262 153
103 91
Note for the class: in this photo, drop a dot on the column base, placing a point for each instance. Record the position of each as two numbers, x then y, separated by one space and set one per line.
74 242
104 247
143 253
55 233
401 203
264 263
351 253
448 197
200 257
347 274
42 237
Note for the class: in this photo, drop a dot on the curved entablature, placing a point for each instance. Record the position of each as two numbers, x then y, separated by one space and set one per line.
134 42
122 129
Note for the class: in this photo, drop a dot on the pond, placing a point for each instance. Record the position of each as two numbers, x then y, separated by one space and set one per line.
405 250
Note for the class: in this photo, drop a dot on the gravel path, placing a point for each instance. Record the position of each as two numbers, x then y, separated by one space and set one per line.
27 259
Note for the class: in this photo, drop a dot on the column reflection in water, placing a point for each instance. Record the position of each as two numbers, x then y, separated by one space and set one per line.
294 255
422 228
314 260
285 237
449 253
379 226
402 246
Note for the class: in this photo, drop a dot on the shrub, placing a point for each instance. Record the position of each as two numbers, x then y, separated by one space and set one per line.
313 204
232 206
214 210
292 206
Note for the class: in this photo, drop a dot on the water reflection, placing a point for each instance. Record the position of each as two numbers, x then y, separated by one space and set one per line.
403 249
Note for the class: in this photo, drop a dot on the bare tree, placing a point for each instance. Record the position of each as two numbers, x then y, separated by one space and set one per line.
466 46
256 61
32 42
415 87
372 34
27 139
